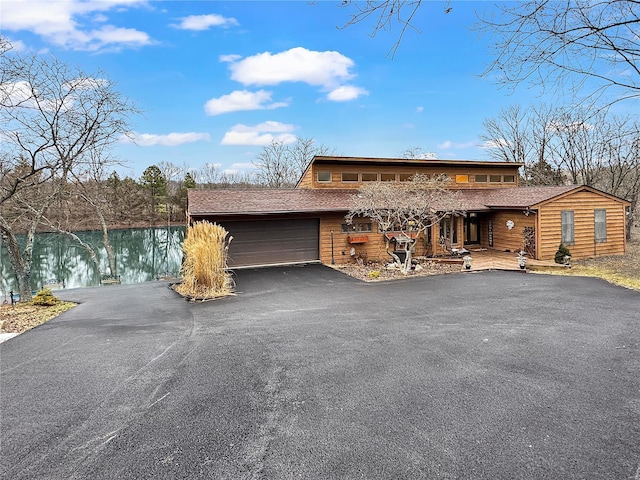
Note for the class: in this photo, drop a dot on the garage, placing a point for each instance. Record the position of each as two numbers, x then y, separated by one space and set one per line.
270 242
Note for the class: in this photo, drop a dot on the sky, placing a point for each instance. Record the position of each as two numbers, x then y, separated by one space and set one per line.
217 81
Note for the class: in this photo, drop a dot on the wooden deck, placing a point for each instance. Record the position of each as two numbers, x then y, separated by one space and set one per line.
488 259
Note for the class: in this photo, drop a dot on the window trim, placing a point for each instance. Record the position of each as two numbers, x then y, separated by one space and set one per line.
362 175
486 178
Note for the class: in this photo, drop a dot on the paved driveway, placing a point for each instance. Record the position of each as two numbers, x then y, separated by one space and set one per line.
307 373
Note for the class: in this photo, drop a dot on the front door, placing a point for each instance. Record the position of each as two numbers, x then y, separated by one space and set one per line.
472 229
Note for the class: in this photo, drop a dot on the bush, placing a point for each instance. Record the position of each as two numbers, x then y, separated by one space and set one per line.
374 274
45 298
562 252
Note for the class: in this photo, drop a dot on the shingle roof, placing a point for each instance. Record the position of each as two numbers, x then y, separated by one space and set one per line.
518 197
272 201
264 201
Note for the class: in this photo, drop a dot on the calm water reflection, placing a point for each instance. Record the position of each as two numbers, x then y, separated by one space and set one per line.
142 254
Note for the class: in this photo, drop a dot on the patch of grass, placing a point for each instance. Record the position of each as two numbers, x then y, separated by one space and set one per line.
24 316
623 270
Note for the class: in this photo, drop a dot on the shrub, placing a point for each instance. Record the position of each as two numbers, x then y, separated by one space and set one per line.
45 298
204 271
374 274
562 252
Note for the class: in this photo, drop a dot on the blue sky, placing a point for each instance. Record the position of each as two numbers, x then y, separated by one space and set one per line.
218 80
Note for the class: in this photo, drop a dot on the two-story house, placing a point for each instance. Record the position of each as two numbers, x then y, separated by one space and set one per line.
306 223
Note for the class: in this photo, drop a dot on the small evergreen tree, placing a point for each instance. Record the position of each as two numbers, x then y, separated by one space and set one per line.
562 253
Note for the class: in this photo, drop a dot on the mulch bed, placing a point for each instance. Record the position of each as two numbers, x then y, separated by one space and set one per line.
367 271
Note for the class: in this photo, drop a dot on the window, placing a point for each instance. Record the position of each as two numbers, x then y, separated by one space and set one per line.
462 178
509 179
600 219
567 227
369 177
388 177
356 227
405 177
445 229
324 177
349 177
495 178
481 179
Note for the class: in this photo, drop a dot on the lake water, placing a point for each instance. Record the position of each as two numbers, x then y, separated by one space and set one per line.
142 254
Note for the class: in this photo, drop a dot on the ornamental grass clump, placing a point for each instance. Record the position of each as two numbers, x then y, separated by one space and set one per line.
204 271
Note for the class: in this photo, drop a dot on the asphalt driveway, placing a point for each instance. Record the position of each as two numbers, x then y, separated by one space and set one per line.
307 373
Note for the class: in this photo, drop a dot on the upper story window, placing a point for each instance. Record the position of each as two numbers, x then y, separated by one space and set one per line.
324 177
462 178
349 177
405 177
388 177
509 178
481 178
369 177
495 178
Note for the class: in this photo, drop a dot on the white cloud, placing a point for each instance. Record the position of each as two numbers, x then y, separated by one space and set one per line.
448 145
499 143
67 23
346 93
259 135
168 140
419 109
327 69
205 22
244 166
229 58
241 100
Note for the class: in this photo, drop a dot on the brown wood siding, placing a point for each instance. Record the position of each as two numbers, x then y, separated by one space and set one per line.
373 250
503 238
583 205
309 180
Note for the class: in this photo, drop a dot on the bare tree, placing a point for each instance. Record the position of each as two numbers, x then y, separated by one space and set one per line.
53 116
571 145
405 207
418 153
585 46
280 165
387 16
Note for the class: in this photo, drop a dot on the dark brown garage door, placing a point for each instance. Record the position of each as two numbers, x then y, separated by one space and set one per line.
269 242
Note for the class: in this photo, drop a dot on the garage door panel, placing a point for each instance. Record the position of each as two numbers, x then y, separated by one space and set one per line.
264 242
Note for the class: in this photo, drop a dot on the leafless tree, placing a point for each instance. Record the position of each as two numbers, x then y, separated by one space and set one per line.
587 47
418 153
387 16
405 207
280 165
53 116
568 145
